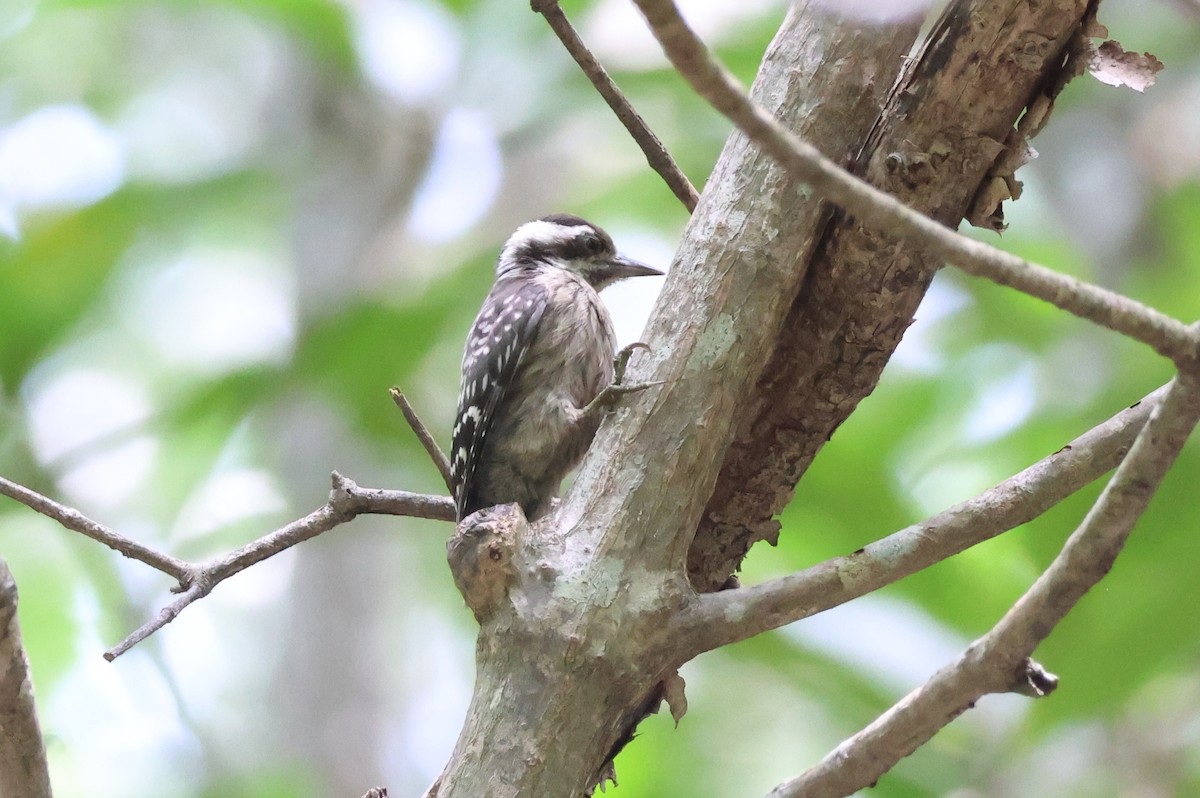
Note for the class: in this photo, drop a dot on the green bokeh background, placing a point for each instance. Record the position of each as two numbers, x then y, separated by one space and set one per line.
264 162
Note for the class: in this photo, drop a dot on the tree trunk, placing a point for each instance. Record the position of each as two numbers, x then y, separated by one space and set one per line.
755 349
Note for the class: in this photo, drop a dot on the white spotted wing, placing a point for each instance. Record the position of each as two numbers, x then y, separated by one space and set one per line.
498 340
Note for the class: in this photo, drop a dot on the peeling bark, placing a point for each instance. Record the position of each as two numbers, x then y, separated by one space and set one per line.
943 128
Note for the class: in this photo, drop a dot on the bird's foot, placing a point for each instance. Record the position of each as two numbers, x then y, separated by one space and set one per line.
621 361
606 401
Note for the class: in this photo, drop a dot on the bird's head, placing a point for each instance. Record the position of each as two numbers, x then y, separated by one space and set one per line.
571 243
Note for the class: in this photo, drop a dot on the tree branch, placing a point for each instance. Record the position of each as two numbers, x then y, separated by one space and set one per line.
996 661
346 501
23 770
197 589
717 619
440 461
656 154
712 81
76 521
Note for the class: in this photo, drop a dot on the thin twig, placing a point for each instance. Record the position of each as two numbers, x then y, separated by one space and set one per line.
656 154
718 619
997 662
167 614
712 81
346 501
76 521
440 461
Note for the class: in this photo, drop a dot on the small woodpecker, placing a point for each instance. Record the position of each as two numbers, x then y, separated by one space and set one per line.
540 351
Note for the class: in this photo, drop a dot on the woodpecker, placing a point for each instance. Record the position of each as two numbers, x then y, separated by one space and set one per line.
540 351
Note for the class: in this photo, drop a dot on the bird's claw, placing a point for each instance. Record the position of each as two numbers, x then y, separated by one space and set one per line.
621 361
606 400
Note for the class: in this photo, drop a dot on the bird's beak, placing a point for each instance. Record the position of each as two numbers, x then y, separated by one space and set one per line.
628 267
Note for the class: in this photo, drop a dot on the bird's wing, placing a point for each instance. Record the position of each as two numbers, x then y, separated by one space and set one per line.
498 341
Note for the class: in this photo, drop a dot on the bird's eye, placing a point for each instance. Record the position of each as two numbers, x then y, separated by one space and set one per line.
593 244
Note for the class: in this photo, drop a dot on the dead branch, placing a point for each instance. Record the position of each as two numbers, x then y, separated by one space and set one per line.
440 461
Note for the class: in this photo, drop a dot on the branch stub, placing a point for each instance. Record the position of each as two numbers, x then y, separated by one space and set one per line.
480 554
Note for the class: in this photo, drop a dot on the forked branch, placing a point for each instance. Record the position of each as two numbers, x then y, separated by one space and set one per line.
346 501
996 662
718 619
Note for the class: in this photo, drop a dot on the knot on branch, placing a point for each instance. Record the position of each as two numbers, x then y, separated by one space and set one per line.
346 498
1033 680
481 556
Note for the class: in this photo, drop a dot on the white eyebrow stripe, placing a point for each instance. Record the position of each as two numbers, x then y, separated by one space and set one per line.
541 232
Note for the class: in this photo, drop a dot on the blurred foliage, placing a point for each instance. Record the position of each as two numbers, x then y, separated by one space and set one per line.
187 351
